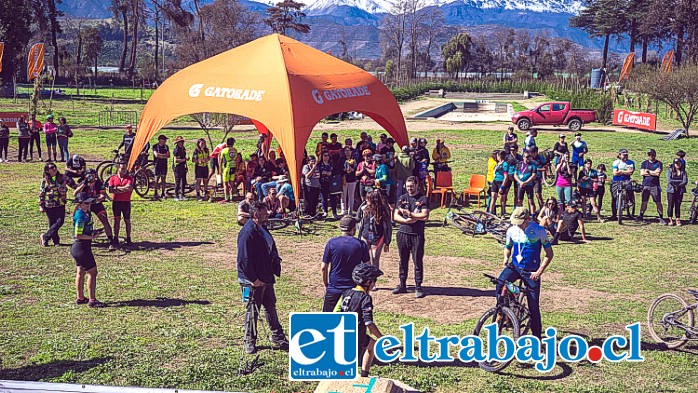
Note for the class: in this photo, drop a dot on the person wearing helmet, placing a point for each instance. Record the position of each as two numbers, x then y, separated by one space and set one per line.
81 251
623 169
75 167
342 254
359 300
94 188
50 131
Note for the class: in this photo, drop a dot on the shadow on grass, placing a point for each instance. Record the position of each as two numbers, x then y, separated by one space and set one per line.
457 291
160 302
565 371
148 246
36 372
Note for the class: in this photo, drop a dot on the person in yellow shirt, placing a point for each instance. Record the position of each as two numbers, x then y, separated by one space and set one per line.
227 164
440 155
322 145
491 165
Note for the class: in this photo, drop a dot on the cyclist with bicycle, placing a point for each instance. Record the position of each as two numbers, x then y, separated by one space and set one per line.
623 169
524 243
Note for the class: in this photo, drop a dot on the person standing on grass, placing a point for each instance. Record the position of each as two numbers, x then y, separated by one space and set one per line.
600 186
4 141
623 169
52 198
258 262
200 159
127 141
23 136
501 183
491 164
375 227
311 181
95 189
651 169
179 167
563 183
161 154
81 251
526 173
524 243
51 130
585 181
404 167
121 187
227 163
63 134
539 161
349 186
530 141
35 132
561 149
411 212
676 186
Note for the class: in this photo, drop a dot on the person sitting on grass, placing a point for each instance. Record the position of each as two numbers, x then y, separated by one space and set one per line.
359 300
285 192
570 220
549 215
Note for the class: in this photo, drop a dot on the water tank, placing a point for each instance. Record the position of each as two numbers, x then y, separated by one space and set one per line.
596 74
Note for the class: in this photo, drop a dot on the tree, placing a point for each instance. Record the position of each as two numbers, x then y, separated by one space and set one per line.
55 27
602 18
15 21
678 89
415 18
457 54
393 34
287 15
433 26
93 45
120 10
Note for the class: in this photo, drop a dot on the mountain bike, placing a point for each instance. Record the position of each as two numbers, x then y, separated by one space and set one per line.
143 176
477 223
693 211
548 172
511 315
622 199
672 321
304 225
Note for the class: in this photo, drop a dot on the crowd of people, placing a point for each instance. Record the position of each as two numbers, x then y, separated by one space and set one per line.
29 133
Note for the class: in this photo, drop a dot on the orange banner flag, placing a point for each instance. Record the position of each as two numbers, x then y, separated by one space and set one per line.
35 63
667 62
2 49
627 67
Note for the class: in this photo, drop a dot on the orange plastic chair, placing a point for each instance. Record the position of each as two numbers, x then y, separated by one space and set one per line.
477 187
444 186
429 186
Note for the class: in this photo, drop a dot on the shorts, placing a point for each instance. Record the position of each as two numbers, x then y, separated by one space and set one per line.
538 186
97 208
227 176
654 191
392 194
567 235
81 251
527 189
51 140
201 172
160 169
494 186
363 341
214 163
121 209
587 192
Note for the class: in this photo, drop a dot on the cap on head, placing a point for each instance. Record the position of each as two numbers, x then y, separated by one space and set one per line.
383 136
162 138
282 179
363 273
179 138
413 140
377 157
651 152
129 127
519 215
623 152
578 134
572 204
76 157
347 223
405 149
563 136
49 117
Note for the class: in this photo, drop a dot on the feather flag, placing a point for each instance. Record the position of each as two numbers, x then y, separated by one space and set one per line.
2 49
35 63
627 67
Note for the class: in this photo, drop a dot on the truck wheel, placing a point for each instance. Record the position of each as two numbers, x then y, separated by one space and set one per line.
575 125
523 124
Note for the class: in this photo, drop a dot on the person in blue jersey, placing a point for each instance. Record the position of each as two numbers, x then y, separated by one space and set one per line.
500 183
585 182
623 169
522 259
81 251
579 149
526 173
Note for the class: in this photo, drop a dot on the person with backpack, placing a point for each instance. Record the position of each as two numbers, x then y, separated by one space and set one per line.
179 167
359 300
52 198
342 254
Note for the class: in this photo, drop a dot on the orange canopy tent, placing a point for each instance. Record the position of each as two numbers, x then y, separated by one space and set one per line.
285 87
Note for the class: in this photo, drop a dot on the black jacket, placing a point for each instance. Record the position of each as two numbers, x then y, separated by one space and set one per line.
255 260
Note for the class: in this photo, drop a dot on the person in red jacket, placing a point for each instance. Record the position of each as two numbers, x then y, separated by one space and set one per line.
121 187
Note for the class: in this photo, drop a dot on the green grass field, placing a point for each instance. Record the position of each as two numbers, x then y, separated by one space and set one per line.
175 316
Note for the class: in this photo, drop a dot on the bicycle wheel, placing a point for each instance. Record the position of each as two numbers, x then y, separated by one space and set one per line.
277 223
101 165
507 325
107 171
665 316
693 215
549 178
466 224
523 314
141 183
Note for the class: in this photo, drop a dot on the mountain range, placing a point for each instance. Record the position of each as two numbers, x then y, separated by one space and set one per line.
357 21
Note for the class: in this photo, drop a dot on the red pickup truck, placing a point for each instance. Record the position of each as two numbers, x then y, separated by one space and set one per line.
554 114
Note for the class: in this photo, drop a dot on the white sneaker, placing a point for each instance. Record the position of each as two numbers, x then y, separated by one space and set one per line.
183 198
176 199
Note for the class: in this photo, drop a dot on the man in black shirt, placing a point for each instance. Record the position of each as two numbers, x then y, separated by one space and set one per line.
161 153
571 219
127 141
650 170
258 262
262 174
412 211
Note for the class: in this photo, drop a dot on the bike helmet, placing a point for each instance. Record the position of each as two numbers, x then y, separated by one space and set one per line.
91 171
363 273
76 157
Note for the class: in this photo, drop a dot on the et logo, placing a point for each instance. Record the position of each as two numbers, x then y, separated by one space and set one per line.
323 346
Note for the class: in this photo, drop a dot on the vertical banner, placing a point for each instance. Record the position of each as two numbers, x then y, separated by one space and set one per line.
2 49
627 67
667 62
35 63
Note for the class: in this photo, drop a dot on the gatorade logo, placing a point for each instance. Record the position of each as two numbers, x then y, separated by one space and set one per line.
339 94
226 92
